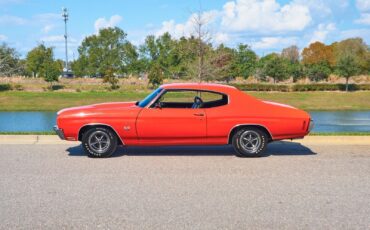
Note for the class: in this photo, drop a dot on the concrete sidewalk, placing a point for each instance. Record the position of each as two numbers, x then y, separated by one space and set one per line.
310 140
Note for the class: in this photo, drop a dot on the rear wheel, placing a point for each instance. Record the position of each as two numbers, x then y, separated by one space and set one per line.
99 142
249 142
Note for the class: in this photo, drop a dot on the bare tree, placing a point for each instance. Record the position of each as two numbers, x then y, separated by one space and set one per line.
202 35
8 66
291 53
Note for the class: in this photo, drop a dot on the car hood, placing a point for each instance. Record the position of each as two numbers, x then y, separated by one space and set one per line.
97 108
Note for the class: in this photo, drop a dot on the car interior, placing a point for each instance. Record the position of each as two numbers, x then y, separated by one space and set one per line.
190 99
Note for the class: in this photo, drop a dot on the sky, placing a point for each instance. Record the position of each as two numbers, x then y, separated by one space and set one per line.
266 25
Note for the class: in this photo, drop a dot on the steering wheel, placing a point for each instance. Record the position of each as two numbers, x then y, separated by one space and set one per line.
198 102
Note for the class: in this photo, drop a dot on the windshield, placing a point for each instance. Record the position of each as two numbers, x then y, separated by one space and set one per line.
149 98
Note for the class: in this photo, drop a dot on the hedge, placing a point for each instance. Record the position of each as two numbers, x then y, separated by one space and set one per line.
5 87
262 87
301 87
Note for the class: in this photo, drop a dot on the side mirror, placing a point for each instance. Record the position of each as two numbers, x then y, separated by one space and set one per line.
158 105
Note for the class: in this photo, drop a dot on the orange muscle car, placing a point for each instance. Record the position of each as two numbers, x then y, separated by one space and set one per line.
184 114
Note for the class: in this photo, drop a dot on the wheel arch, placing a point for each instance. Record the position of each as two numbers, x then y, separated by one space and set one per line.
86 127
258 126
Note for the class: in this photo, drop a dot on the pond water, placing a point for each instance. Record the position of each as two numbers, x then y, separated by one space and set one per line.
328 121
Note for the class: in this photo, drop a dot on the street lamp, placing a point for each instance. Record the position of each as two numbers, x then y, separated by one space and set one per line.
66 71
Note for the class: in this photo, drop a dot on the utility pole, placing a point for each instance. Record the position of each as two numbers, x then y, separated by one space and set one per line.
66 72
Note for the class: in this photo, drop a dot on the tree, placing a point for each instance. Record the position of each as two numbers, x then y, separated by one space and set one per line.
163 51
295 70
111 79
347 67
155 75
244 61
291 53
356 49
40 62
51 70
202 35
9 61
221 67
318 53
318 71
274 66
106 51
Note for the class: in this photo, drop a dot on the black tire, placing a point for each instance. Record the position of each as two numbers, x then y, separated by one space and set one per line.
249 142
105 142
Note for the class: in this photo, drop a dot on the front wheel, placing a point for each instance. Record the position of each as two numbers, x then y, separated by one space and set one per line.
99 142
249 142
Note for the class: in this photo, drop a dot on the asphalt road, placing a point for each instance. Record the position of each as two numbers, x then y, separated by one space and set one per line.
292 187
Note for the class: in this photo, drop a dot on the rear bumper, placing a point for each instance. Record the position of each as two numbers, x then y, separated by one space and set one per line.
59 132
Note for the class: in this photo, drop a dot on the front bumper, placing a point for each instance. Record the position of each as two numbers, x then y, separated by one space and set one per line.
59 132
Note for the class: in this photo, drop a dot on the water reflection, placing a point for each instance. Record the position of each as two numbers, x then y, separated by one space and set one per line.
333 121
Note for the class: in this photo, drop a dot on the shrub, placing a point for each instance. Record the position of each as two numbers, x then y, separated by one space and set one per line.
363 87
301 87
262 87
324 87
5 87
17 87
57 87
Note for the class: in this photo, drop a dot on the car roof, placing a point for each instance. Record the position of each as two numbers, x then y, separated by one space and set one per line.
200 86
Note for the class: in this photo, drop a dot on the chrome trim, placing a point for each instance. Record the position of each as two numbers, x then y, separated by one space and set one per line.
59 132
311 125
228 137
179 89
94 124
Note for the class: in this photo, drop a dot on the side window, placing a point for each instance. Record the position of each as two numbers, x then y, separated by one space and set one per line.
211 99
187 99
179 96
177 99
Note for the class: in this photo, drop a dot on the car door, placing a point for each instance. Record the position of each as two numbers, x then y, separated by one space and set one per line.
175 123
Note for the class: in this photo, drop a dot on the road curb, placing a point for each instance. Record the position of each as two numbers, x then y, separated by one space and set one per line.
309 140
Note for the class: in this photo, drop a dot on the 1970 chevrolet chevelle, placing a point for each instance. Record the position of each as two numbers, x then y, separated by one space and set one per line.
184 114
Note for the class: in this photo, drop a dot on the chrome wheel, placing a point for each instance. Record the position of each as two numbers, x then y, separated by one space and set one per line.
99 141
250 141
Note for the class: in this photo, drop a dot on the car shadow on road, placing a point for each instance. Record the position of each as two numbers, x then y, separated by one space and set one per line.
280 148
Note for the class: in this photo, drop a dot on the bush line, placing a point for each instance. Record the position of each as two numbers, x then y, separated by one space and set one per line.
253 87
301 87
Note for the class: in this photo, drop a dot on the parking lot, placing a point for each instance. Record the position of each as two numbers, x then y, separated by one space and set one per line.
294 186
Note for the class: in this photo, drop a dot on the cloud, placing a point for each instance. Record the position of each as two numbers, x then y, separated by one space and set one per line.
221 38
363 5
262 15
3 37
274 42
365 19
53 38
47 28
57 38
47 17
362 33
322 31
12 20
101 23
186 29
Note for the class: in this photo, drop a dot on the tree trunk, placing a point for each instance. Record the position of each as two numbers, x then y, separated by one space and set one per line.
347 84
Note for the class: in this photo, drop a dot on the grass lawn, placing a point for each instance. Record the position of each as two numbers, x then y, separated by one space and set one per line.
53 101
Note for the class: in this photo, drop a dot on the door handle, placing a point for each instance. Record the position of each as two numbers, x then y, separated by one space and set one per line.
199 114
